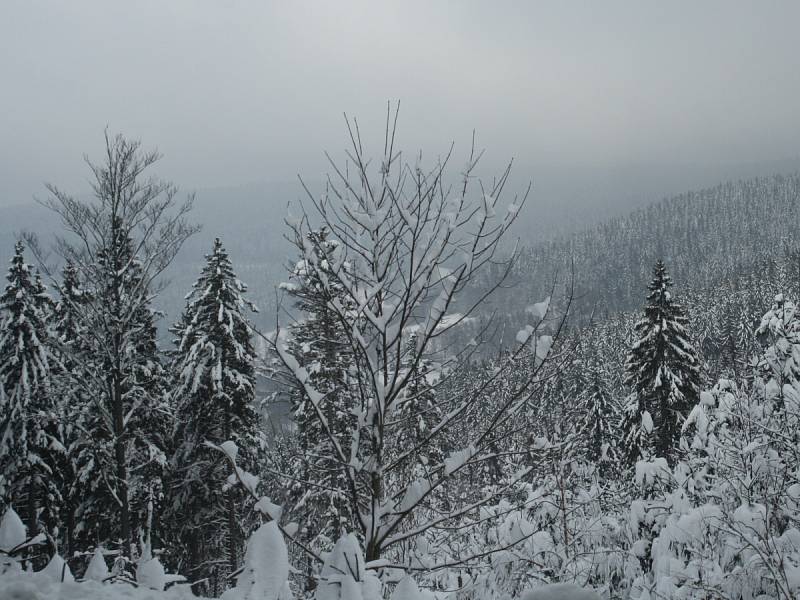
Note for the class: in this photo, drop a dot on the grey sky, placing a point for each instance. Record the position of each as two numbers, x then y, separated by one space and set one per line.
235 92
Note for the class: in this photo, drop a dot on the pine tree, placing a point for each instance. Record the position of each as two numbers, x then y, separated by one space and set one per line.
662 368
28 446
214 374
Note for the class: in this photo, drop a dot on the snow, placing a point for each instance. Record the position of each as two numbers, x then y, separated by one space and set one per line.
150 574
539 309
41 586
647 422
12 531
561 591
266 507
415 491
542 346
97 569
457 459
343 575
523 335
57 570
406 590
648 472
265 572
230 448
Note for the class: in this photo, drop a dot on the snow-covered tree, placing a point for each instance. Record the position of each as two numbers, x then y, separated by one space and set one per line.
407 248
120 242
318 343
265 572
73 367
28 443
120 450
662 368
598 424
779 366
214 401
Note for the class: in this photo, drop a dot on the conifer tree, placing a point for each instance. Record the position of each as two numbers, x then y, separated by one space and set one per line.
420 411
318 342
121 241
662 368
214 395
120 454
27 417
599 422
779 366
74 365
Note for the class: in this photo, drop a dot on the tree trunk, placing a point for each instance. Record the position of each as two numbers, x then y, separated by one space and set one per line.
122 466
233 532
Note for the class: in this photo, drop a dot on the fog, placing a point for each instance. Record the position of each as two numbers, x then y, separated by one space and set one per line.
606 104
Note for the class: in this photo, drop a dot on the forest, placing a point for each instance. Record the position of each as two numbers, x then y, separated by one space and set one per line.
612 412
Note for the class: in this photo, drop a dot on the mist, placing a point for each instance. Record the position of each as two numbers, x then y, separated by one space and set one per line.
628 100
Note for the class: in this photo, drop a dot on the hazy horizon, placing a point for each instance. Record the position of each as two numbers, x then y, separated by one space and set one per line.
248 93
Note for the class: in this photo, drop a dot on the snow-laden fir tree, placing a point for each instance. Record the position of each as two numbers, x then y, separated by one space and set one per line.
28 419
319 344
662 368
214 398
780 364
74 364
120 241
121 455
598 425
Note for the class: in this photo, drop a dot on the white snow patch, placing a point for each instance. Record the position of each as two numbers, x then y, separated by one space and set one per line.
561 591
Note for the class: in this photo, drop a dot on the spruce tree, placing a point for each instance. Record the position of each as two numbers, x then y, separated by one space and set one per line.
73 368
319 345
214 373
28 445
662 368
779 365
120 455
121 240
599 422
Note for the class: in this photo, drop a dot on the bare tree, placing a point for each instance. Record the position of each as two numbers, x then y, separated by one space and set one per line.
409 246
120 242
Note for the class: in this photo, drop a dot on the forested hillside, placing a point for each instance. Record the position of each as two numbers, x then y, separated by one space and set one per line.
463 424
709 237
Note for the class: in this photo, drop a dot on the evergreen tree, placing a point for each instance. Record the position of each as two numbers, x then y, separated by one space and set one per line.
319 345
121 240
662 368
420 410
73 367
120 455
214 394
599 422
636 426
779 366
418 413
28 445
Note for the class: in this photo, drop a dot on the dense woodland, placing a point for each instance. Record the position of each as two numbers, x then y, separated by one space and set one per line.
469 419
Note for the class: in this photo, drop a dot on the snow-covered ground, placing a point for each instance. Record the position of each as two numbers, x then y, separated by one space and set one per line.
40 586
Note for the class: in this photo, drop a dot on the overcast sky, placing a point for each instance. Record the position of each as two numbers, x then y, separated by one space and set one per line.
235 92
